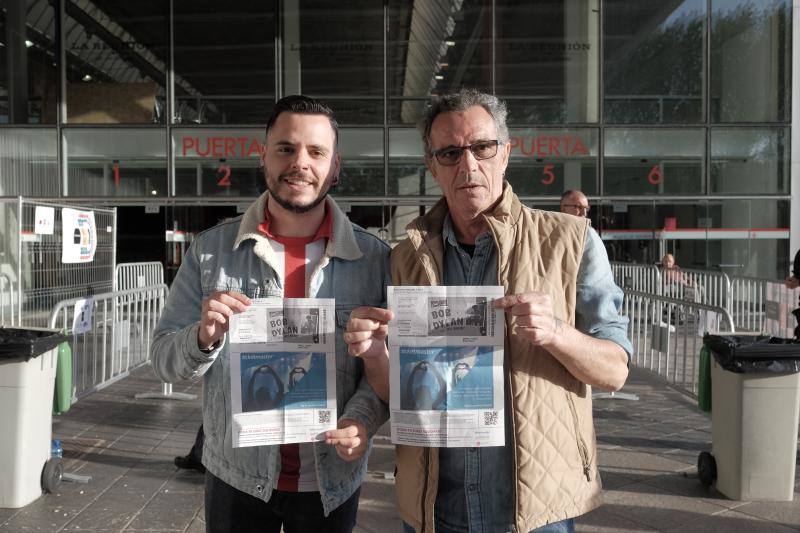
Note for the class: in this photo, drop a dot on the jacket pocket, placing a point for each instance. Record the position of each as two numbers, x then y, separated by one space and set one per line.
583 450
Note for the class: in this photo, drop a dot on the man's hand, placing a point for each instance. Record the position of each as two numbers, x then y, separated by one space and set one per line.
215 316
366 332
534 316
791 282
366 338
350 440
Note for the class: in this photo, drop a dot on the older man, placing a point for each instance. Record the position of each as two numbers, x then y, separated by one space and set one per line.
292 242
564 335
574 202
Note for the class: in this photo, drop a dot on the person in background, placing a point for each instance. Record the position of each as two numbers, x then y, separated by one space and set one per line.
292 242
672 272
574 202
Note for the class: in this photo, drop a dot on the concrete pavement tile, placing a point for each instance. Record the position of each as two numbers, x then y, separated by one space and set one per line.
5 514
144 482
645 504
687 484
602 521
625 461
731 522
186 481
376 508
108 511
786 513
198 525
168 511
615 480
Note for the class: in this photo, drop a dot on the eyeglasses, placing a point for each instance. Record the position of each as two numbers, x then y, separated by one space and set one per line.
579 207
451 155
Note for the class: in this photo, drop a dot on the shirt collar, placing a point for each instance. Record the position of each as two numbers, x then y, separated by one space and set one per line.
449 234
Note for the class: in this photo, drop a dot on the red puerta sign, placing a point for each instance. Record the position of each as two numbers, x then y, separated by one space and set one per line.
548 146
221 147
542 146
240 147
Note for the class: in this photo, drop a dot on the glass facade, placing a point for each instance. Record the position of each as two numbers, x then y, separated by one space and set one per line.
673 117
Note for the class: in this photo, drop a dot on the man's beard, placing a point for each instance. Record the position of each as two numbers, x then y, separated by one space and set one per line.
290 206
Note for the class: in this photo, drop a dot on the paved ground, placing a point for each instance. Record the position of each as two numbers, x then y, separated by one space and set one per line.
648 450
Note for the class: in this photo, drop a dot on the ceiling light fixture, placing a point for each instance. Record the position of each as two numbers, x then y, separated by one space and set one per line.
86 77
28 43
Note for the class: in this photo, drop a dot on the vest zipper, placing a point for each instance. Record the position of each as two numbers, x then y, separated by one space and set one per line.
583 451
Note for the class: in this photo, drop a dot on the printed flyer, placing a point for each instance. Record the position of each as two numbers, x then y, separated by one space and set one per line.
283 371
446 366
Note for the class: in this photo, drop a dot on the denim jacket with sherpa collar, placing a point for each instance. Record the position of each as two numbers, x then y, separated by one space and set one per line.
234 255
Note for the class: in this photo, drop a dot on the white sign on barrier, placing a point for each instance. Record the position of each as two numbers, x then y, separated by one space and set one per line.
79 236
45 220
82 321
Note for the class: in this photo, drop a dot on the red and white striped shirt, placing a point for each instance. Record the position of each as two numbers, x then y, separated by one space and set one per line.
298 256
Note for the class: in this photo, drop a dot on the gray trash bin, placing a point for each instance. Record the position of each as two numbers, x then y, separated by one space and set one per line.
28 358
755 408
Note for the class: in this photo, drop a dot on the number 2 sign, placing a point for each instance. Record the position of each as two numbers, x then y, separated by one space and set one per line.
225 180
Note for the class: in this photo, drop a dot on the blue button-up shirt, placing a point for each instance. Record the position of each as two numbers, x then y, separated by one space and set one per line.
476 485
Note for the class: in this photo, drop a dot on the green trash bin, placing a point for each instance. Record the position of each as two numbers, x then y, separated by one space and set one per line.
704 381
62 397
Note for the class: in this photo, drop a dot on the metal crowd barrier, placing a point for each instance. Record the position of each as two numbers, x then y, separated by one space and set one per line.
667 335
7 302
763 305
130 275
118 336
755 304
704 286
144 274
637 277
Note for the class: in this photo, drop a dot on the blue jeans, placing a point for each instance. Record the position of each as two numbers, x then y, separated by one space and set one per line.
229 510
565 526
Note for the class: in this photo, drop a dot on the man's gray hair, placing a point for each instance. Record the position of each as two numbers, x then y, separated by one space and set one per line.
459 102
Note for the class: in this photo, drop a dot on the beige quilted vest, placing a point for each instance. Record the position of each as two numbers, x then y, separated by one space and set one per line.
555 459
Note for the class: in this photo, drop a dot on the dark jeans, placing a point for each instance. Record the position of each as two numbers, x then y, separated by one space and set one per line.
229 510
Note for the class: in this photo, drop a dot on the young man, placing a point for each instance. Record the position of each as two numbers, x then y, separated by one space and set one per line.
292 242
563 335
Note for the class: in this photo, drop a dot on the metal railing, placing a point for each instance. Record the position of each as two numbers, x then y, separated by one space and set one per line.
637 277
763 305
117 338
703 286
667 335
132 275
7 302
755 304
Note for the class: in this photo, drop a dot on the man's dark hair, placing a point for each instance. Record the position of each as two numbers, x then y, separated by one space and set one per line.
303 105
570 193
459 102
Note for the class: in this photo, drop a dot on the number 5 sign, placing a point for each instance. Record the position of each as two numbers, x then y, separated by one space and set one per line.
549 177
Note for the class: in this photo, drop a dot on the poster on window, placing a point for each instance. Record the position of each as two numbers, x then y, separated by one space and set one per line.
78 236
283 371
446 366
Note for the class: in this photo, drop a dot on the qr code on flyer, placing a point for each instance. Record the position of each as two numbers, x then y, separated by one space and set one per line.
490 418
324 417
